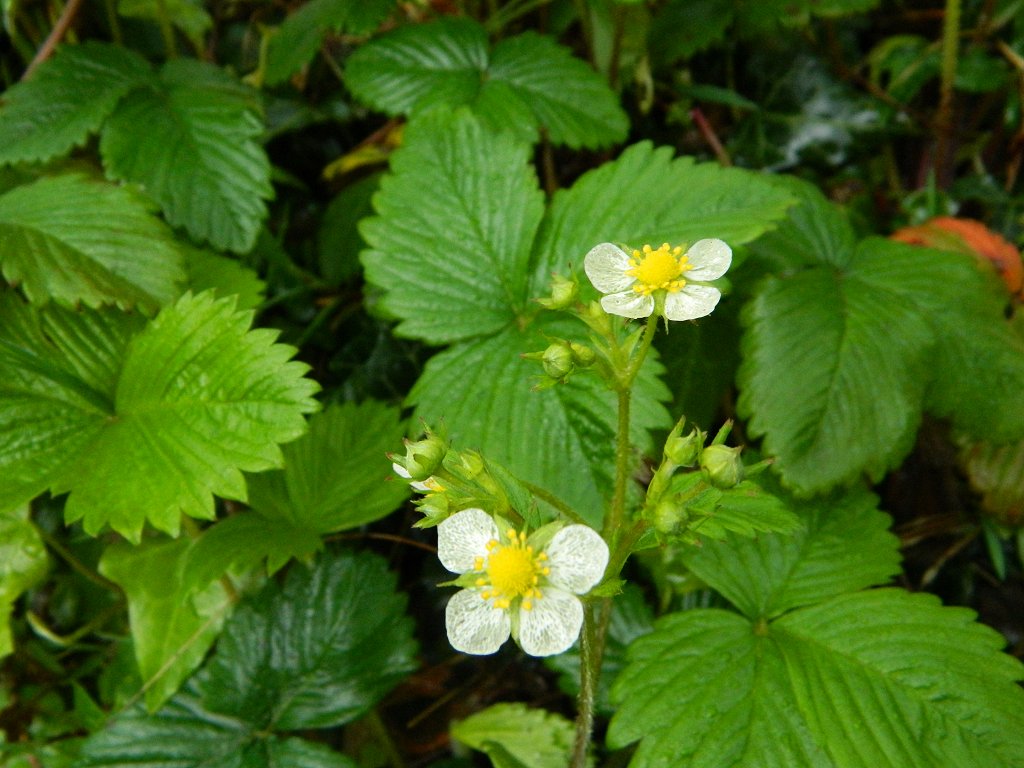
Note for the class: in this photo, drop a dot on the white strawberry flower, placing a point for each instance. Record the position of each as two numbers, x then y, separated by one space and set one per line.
631 280
519 589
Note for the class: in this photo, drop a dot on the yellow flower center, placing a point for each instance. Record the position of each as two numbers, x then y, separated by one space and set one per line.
513 571
658 269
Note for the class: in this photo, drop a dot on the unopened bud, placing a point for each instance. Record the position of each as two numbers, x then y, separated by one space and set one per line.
424 457
683 450
564 292
669 516
558 360
723 465
582 355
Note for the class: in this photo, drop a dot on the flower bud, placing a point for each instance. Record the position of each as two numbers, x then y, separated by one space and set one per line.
669 516
564 292
723 465
582 355
558 361
424 457
684 450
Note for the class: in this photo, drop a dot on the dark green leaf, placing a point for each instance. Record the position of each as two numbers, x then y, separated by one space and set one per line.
454 262
224 276
844 545
199 156
317 652
23 564
67 99
337 475
57 243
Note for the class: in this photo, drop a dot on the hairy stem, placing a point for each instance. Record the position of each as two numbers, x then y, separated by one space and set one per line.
944 116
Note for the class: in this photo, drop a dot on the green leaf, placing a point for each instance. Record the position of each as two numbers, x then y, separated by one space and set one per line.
23 564
856 365
646 196
187 15
199 156
844 545
298 39
530 79
339 241
516 736
745 510
184 733
465 246
997 472
57 242
335 476
242 542
684 27
67 99
977 366
224 276
317 652
481 390
172 629
142 424
874 678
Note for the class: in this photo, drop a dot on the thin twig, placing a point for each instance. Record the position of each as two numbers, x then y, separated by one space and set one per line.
721 154
53 39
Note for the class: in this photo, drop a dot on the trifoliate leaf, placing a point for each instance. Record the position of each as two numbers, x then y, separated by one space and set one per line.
844 545
225 276
142 424
57 243
538 83
646 196
482 391
67 99
855 361
297 40
199 156
184 733
516 736
172 629
881 677
451 243
317 652
336 476
23 564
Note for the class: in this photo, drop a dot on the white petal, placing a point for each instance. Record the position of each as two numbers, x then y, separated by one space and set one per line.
473 625
422 487
400 470
463 537
577 556
628 304
710 259
553 625
606 266
691 302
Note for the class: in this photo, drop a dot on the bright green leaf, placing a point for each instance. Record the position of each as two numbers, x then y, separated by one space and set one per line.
454 262
142 422
849 401
297 40
172 629
23 564
336 475
57 242
317 652
447 62
873 678
844 545
646 196
516 736
745 509
199 156
225 276
67 99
